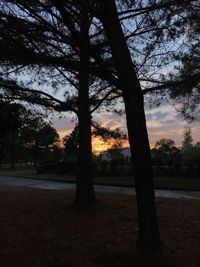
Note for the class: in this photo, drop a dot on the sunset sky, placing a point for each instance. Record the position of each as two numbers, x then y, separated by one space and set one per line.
162 122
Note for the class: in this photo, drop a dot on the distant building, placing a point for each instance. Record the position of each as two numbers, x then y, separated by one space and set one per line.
105 156
122 154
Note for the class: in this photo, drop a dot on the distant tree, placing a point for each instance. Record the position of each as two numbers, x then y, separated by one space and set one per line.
187 146
8 118
39 136
47 135
192 156
12 117
191 153
22 130
188 140
196 160
198 144
167 153
70 142
165 145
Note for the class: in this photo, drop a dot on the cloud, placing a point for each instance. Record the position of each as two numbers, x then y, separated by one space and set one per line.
162 122
157 115
166 123
111 120
63 124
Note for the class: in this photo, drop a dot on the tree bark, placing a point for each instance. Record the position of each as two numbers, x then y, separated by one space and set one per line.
84 188
148 235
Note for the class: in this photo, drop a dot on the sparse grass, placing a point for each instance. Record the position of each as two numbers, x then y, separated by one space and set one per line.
160 182
42 228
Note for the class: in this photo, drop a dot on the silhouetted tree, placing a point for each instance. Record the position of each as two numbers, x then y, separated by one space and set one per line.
167 152
187 141
38 135
191 152
37 40
70 142
137 132
12 117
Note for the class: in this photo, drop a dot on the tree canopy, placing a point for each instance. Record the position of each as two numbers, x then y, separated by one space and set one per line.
24 134
42 39
114 49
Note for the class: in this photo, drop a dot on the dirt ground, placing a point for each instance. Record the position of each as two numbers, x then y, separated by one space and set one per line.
43 228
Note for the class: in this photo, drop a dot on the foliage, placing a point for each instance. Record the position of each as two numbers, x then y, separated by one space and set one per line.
182 162
191 156
191 153
106 134
187 141
166 153
12 117
24 135
116 136
49 54
165 145
71 144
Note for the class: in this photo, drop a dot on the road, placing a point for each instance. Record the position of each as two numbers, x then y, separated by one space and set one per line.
53 185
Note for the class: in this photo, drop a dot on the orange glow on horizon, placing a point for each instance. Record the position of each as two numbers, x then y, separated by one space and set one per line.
98 145
63 134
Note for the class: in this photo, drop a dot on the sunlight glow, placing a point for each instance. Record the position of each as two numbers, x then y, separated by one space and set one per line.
98 145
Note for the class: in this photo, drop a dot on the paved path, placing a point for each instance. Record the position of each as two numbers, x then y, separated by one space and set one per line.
52 185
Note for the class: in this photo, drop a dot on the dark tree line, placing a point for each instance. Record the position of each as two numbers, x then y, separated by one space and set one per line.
181 161
24 136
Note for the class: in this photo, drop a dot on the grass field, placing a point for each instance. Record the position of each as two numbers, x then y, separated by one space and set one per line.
41 228
160 182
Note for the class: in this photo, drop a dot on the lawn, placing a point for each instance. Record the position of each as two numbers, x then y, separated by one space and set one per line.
41 228
160 182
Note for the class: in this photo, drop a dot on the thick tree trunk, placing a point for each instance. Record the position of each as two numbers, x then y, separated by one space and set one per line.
148 235
84 189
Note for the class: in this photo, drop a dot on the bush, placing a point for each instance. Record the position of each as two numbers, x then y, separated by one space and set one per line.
47 166
104 166
167 171
68 167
